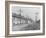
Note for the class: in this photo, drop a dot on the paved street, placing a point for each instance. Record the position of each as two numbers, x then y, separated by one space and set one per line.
22 27
19 27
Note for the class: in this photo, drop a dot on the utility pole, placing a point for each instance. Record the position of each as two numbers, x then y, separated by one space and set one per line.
20 15
36 14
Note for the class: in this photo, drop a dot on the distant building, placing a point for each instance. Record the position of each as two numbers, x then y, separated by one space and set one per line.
18 19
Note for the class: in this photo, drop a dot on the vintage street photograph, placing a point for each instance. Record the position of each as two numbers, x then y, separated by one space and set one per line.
25 18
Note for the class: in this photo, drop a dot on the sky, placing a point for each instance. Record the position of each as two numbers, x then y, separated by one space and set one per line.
29 12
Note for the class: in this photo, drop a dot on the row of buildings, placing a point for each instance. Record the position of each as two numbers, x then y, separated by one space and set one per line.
19 19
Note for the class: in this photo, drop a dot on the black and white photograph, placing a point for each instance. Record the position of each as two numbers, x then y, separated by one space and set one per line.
25 18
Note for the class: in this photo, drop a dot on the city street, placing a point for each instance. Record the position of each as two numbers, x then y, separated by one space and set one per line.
23 27
19 27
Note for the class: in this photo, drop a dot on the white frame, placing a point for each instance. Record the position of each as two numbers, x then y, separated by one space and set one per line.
23 32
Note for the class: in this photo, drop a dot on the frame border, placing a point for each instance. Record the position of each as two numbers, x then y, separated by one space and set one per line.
7 19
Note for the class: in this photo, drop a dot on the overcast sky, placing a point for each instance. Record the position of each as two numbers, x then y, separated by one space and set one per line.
27 11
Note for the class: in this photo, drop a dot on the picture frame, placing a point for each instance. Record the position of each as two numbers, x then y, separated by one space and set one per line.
7 16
